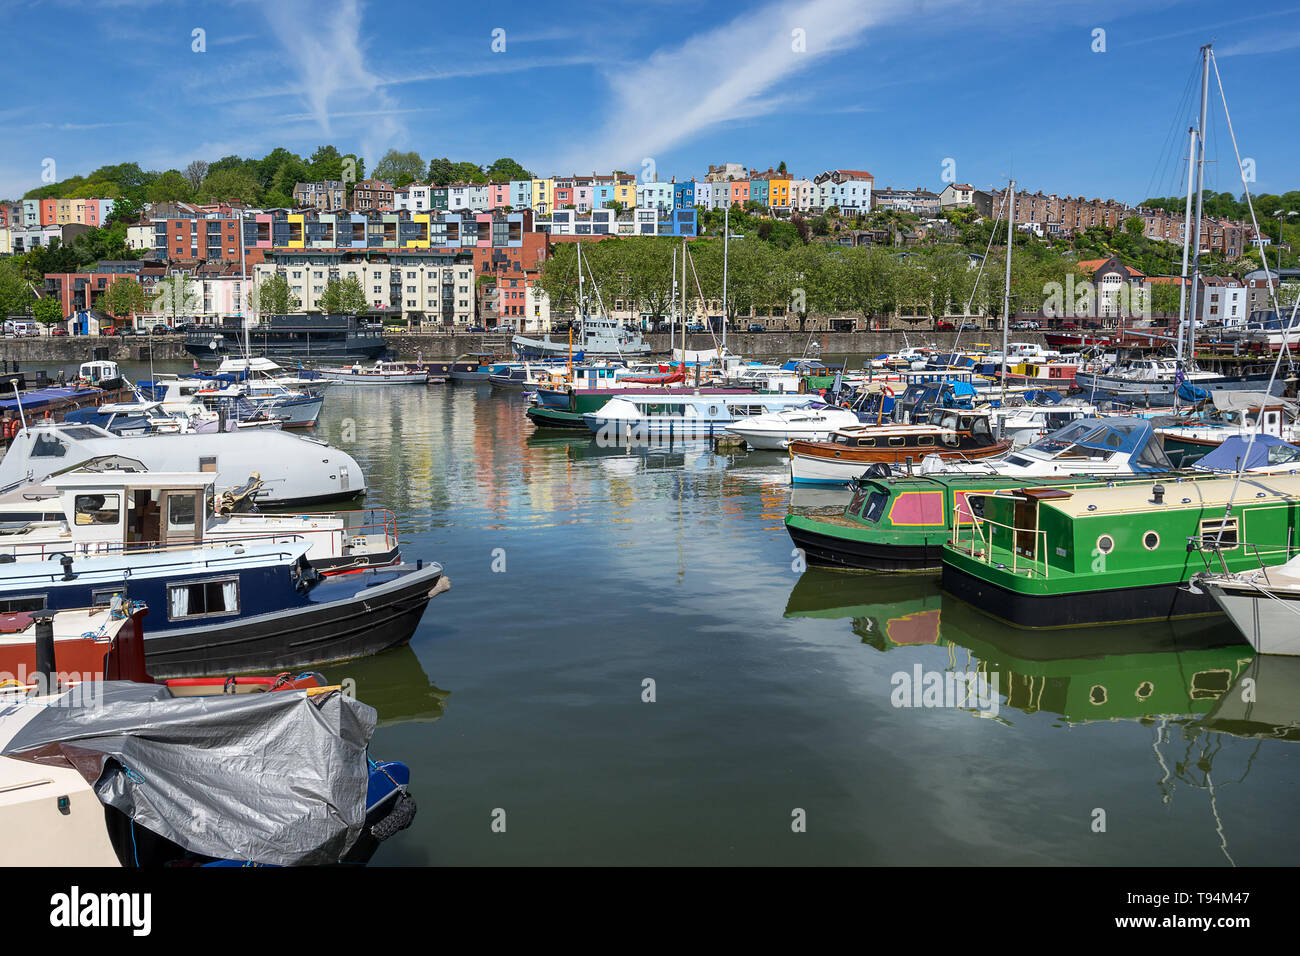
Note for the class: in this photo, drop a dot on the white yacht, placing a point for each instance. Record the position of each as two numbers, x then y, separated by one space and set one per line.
1116 445
294 469
773 431
1264 604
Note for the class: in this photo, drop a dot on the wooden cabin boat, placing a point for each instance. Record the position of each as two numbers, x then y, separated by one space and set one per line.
959 434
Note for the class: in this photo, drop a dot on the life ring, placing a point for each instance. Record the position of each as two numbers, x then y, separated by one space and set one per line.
887 390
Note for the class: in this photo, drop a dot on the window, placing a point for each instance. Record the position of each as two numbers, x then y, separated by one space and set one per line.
180 512
22 602
203 599
97 509
208 465
1219 533
1105 544
1151 541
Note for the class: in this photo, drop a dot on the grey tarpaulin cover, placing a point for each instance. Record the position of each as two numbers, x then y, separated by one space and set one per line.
275 778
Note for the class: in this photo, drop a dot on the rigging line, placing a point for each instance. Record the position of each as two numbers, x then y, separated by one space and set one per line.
1286 334
975 288
1250 204
1170 153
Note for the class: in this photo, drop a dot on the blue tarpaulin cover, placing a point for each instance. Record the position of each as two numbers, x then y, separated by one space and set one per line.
40 397
1231 455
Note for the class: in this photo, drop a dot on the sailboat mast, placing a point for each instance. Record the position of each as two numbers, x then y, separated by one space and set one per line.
726 236
1006 290
1200 195
1187 240
243 288
683 304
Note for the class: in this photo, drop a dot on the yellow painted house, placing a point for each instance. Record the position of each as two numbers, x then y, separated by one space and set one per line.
422 241
297 231
778 193
625 191
544 195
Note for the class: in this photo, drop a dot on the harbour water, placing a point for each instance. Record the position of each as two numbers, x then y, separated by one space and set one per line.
775 735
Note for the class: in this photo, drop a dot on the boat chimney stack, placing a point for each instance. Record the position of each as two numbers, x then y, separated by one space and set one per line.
1158 494
46 670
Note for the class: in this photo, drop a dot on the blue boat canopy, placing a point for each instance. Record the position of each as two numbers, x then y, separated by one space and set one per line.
1267 450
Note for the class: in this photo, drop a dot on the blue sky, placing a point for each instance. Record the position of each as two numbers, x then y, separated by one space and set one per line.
893 87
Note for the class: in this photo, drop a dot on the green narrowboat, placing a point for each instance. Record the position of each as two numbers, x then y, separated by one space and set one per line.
890 524
1057 557
902 523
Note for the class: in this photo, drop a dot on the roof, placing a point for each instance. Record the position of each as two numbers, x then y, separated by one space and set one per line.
1135 497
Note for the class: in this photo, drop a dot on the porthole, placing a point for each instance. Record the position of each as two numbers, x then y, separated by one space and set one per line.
1105 544
1151 541
1144 690
1097 695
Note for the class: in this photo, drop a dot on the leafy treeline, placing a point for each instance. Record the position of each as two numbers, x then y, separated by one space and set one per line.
781 273
267 182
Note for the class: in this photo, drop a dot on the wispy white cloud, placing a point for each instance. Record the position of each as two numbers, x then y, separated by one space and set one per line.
1264 43
734 71
329 62
362 114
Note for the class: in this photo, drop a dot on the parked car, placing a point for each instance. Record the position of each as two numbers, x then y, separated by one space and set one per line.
1025 324
109 330
697 327
944 327
185 327
969 327
476 328
159 330
58 332
757 327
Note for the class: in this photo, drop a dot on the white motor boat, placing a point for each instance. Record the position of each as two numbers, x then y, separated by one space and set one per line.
1097 447
381 373
775 430
1263 603
294 469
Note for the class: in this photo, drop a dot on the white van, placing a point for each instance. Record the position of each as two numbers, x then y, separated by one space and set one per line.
20 327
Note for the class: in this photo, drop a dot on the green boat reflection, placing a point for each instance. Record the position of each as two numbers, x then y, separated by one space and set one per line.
394 684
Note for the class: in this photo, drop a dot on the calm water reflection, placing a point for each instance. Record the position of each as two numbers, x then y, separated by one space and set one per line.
522 689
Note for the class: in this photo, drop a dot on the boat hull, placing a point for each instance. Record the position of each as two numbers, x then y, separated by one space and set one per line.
369 621
1160 394
1156 602
557 418
822 547
1265 616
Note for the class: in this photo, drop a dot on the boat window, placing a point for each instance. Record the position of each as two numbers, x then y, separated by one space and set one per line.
925 440
980 428
1151 540
1220 533
1282 454
203 599
896 441
866 443
97 509
103 597
875 506
180 512
47 446
22 602
208 465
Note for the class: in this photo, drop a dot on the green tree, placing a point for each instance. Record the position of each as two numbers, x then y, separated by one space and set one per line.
345 297
400 169
230 185
176 298
171 186
506 169
47 311
272 296
15 289
122 298
441 171
325 164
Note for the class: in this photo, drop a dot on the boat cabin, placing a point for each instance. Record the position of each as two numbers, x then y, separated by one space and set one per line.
105 513
102 374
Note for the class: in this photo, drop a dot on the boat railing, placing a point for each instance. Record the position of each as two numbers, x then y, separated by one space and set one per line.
1210 548
965 519
354 524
